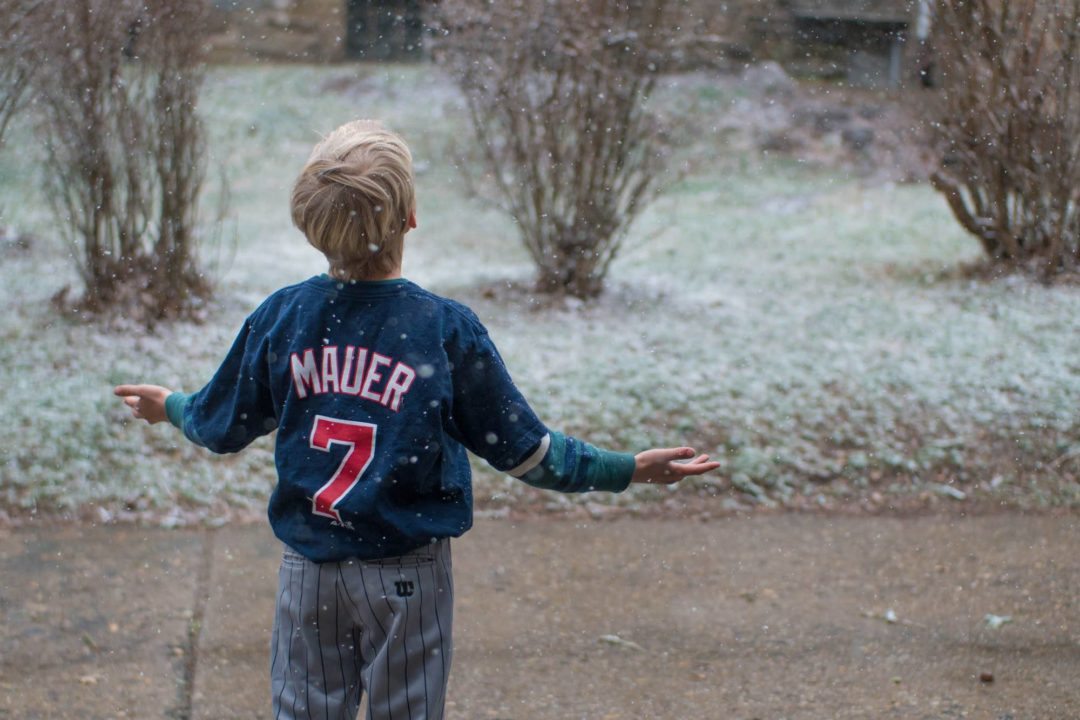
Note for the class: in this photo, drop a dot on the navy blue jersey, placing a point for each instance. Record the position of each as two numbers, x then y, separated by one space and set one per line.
376 390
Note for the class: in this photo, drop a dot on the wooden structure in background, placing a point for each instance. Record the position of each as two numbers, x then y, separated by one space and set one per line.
860 11
384 29
319 30
863 41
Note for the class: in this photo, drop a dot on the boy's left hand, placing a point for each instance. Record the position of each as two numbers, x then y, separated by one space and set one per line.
147 402
659 466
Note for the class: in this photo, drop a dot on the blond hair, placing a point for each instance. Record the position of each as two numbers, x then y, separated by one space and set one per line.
354 197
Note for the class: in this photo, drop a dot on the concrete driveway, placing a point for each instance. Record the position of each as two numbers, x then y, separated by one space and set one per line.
783 616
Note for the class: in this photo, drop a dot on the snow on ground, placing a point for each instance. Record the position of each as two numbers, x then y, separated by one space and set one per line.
808 328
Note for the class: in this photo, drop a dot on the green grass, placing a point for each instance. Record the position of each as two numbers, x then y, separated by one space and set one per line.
807 328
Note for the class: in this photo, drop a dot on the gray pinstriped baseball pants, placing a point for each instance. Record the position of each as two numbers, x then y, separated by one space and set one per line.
347 627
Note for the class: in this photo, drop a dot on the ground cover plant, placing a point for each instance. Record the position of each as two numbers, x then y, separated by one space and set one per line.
811 329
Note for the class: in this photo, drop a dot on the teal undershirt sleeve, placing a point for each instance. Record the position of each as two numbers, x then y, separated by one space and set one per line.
174 408
572 465
175 405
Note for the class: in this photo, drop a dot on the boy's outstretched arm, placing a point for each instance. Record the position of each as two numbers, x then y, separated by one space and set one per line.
492 419
229 412
659 466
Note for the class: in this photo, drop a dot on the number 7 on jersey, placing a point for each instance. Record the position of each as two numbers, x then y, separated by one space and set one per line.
359 437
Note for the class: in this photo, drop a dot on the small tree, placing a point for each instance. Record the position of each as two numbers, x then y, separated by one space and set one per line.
1009 133
556 95
17 19
125 149
16 66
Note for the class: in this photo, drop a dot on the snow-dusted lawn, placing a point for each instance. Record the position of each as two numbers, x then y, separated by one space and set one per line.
802 326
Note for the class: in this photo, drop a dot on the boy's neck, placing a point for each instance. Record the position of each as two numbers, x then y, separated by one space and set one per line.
394 274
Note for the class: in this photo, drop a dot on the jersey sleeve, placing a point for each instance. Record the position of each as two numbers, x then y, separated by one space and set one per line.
488 414
493 420
236 406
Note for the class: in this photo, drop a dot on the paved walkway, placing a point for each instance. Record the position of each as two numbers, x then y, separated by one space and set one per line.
772 617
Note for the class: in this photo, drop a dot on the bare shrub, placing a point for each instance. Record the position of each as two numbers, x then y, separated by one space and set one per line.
556 94
1009 133
17 18
125 150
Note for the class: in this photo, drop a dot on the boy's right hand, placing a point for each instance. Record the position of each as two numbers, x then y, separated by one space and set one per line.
659 466
147 402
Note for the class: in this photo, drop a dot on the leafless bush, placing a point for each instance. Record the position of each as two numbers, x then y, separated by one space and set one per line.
556 93
1009 135
16 66
17 18
125 149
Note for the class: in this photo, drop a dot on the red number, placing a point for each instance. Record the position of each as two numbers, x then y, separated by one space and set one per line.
360 439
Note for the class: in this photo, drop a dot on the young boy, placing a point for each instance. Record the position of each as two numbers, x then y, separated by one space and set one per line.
376 388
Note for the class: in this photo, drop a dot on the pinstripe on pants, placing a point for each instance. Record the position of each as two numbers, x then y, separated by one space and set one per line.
383 626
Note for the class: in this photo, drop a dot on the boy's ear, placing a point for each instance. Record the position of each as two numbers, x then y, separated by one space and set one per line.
412 220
